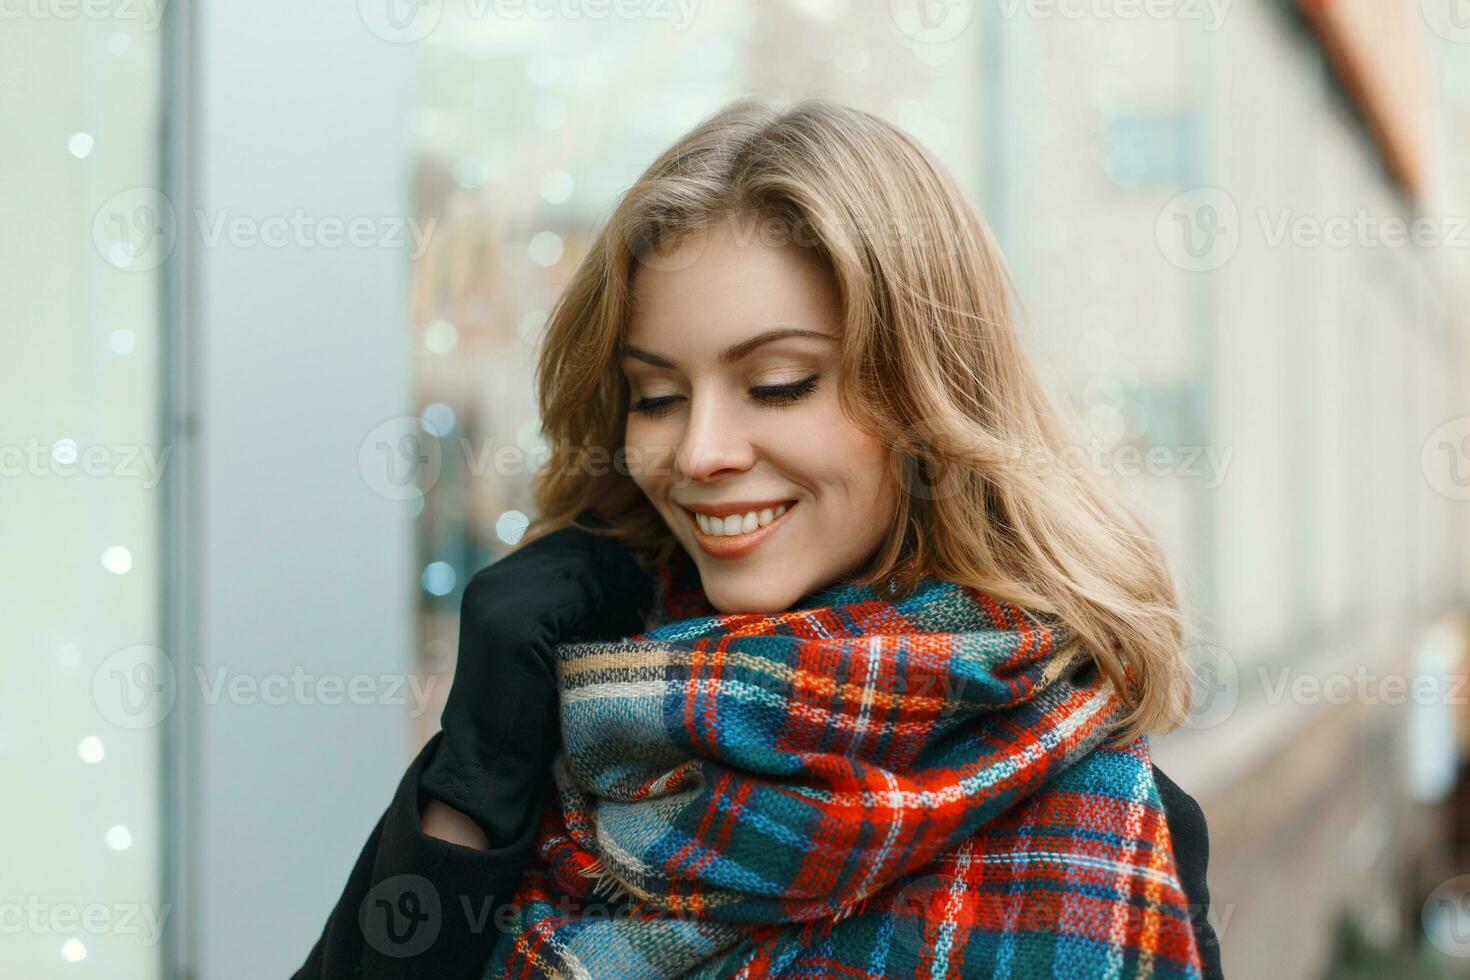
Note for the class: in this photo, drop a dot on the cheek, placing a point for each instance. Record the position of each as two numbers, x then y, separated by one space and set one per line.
635 454
852 467
869 474
647 455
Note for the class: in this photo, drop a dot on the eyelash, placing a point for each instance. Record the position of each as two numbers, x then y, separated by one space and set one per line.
774 395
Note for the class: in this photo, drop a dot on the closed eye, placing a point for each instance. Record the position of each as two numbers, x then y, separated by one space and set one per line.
774 395
786 394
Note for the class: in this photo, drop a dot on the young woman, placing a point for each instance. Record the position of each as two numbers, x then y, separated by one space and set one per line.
823 658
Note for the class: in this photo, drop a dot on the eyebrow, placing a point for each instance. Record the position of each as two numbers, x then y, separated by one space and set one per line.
732 353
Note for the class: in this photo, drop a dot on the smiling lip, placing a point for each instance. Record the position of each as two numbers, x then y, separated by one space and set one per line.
736 545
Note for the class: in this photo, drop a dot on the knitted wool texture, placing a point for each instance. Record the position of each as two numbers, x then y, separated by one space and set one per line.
855 787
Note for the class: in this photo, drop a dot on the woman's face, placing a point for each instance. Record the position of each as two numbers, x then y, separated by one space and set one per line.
731 359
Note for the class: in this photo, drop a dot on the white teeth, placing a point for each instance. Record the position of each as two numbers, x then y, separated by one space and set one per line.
737 523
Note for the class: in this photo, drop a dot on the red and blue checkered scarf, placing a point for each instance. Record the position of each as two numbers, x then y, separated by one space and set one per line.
855 787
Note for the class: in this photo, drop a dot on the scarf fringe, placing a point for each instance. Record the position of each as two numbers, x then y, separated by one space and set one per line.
605 884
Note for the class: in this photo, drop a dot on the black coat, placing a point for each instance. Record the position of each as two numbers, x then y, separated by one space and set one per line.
402 869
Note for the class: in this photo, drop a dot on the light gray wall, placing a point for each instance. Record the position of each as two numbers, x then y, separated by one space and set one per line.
294 354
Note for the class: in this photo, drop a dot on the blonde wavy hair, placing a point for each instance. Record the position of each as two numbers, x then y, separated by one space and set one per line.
931 363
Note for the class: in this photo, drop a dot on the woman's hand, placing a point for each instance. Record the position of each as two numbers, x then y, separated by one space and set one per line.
500 721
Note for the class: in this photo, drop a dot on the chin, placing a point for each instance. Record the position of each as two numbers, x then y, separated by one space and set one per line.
734 592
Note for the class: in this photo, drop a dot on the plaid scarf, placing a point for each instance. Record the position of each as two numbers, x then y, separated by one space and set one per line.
855 787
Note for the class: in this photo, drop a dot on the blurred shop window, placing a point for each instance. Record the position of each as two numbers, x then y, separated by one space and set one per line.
525 132
87 689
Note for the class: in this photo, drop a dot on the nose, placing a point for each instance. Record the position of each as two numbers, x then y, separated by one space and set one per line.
715 442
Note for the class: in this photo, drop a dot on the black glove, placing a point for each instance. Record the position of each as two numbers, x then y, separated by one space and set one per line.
501 720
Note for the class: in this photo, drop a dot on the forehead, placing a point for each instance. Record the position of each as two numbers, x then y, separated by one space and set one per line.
722 285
